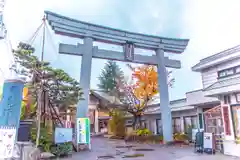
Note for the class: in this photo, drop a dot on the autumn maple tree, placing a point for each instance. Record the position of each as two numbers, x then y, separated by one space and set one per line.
141 91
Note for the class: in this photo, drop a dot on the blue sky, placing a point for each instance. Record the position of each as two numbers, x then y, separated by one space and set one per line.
211 26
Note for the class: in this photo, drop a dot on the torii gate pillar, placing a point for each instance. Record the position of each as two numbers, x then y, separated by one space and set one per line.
164 97
89 32
85 77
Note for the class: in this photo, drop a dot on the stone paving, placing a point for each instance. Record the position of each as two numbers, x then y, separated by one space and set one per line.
102 148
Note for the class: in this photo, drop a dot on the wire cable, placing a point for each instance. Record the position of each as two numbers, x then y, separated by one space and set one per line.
35 34
55 50
51 39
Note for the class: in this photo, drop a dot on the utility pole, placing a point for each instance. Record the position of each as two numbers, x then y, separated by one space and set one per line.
41 94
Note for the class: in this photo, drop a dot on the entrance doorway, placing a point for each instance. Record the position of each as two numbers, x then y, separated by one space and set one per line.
214 124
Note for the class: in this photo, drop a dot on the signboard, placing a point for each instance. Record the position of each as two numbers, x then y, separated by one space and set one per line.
10 105
63 135
129 51
7 141
226 119
208 142
83 131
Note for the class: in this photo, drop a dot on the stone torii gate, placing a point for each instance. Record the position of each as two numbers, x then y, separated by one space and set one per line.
90 32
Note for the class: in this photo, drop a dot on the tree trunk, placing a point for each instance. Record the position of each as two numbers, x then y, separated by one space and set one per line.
137 122
134 122
140 122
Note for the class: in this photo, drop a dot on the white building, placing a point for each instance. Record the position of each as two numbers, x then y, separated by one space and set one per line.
221 79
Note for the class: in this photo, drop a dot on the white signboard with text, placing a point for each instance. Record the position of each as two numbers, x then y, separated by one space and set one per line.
208 140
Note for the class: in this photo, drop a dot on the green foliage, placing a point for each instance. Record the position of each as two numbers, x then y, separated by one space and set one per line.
133 155
143 132
62 149
23 110
62 90
237 140
110 75
45 140
144 139
180 137
117 123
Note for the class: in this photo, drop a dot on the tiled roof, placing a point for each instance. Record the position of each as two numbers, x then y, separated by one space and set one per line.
113 99
105 96
224 83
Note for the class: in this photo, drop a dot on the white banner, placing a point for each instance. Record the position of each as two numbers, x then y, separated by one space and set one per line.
7 140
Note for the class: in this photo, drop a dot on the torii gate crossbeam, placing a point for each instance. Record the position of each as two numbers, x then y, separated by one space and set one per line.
91 32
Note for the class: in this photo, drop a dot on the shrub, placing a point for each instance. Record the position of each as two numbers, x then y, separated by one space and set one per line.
117 123
180 137
144 132
61 149
45 140
144 139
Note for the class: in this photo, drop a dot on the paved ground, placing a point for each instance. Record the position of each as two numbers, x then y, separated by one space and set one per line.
102 148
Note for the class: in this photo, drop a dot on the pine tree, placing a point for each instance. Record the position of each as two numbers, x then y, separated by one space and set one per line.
61 89
110 75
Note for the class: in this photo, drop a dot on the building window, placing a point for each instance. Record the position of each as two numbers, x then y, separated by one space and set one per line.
225 73
189 123
143 124
176 124
194 121
159 126
236 121
226 99
237 95
229 72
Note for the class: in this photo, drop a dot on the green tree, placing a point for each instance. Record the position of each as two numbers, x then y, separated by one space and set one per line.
47 85
110 74
59 88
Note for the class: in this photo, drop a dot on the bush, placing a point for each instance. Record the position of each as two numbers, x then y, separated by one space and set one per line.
144 139
143 132
45 140
180 137
61 149
117 123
